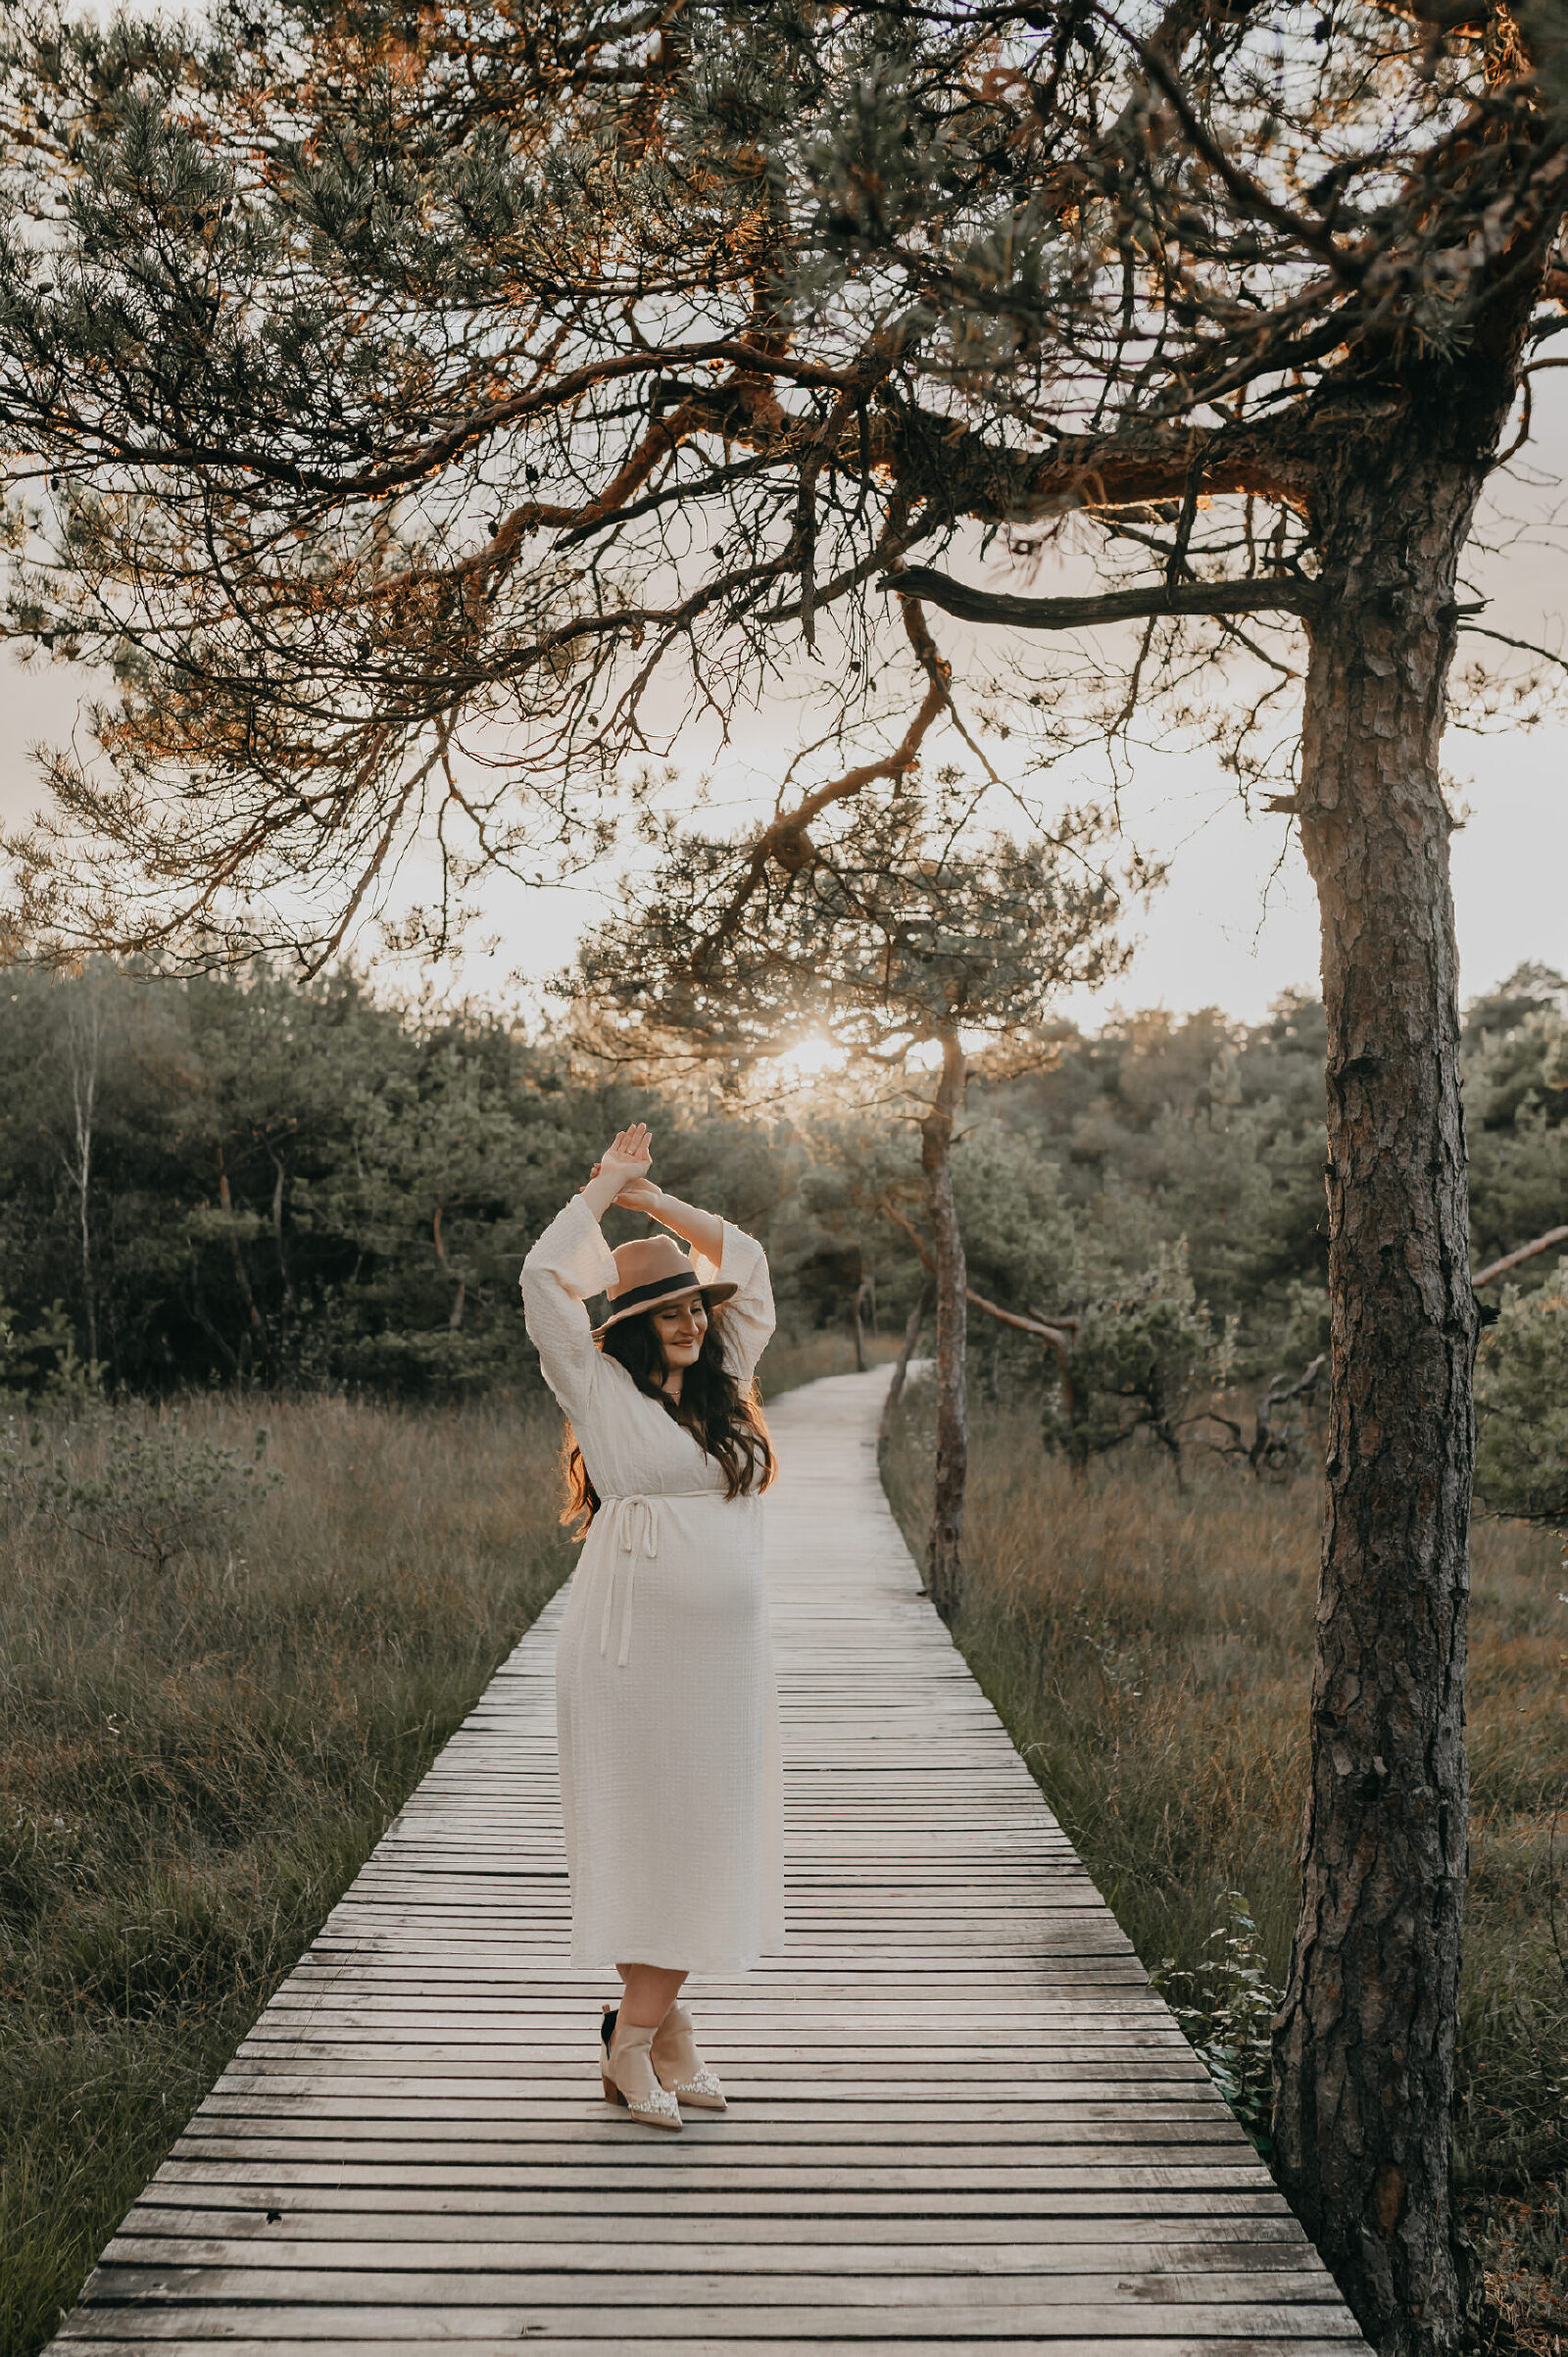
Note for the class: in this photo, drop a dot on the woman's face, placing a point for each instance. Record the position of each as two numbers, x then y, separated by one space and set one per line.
680 1330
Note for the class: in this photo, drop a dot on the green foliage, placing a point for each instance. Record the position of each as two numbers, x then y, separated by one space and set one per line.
1138 1354
305 1188
287 1187
1018 1233
1226 2004
154 1494
1304 1328
878 932
1522 1408
1516 1111
42 1363
1162 1128
396 381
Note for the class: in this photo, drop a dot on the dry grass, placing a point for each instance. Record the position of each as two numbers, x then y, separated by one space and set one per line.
1150 1653
830 1352
195 1762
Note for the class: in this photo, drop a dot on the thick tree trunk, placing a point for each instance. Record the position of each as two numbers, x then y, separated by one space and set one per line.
1364 2046
944 1550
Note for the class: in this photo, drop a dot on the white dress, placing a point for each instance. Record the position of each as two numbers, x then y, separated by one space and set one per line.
665 1706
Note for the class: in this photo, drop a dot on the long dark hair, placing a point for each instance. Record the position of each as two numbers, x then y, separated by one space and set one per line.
725 1422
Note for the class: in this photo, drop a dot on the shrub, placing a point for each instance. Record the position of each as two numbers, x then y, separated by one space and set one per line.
1521 1406
42 1363
1136 1358
155 1496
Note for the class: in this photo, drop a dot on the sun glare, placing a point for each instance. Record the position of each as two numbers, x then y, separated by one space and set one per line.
810 1057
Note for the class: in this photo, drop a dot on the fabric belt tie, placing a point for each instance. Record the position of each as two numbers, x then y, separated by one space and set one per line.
627 1529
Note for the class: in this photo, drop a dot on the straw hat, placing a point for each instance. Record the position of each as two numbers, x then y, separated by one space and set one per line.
652 1274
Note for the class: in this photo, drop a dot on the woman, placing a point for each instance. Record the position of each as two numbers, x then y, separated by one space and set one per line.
665 1700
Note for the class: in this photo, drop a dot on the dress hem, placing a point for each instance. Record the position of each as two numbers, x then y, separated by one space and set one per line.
723 1968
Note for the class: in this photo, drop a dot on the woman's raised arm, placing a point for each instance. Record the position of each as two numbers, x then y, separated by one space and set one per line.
570 1262
703 1231
724 1252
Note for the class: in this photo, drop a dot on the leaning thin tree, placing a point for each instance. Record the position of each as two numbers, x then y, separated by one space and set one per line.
423 409
904 951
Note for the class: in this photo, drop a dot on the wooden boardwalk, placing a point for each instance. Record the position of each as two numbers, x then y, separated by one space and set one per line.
961 2118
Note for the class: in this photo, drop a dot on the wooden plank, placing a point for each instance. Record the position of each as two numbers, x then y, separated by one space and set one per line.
337 2331
1285 2324
324 2187
960 2117
649 2243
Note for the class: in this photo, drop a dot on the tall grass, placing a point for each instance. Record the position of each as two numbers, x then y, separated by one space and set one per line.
1149 1651
792 1361
195 1762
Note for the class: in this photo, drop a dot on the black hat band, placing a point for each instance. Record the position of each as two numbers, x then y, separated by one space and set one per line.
661 1286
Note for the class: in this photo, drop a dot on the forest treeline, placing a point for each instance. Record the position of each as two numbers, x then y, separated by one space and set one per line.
223 1180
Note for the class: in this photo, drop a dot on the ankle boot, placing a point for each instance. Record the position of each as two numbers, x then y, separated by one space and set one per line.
681 2069
627 2071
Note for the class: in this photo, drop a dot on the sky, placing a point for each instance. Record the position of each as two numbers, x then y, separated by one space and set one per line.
1236 923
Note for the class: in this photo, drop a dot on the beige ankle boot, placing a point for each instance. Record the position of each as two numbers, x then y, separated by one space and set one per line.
627 2071
681 2069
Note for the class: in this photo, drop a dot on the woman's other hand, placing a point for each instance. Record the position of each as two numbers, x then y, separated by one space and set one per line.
637 1195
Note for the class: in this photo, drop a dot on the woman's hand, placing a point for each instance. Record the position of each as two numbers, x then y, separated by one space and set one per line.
627 1158
624 1164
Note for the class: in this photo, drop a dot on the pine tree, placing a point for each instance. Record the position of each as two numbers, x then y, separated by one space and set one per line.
403 399
877 933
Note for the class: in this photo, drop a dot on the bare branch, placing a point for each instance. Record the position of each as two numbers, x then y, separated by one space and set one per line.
1526 1252
785 840
1287 594
1058 1337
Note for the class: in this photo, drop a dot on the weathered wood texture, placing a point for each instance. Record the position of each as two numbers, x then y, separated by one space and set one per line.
960 2115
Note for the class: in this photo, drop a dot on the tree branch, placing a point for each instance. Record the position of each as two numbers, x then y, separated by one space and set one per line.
1526 1252
1058 1337
786 839
1285 595
1524 646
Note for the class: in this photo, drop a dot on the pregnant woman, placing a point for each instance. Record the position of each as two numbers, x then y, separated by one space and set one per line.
665 1700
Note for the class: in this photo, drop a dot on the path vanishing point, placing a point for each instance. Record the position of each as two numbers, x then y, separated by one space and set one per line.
959 2115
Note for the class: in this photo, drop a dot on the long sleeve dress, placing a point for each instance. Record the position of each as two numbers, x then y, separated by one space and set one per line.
666 1707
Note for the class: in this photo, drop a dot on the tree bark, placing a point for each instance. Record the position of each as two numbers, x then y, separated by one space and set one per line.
84 1033
455 1314
1364 2044
944 1548
242 1279
901 1371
